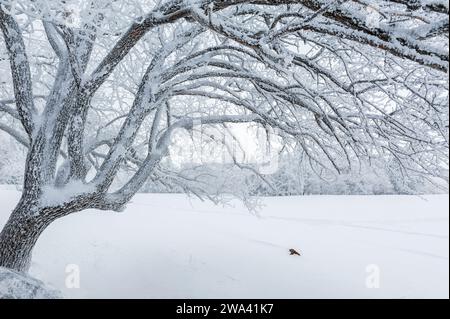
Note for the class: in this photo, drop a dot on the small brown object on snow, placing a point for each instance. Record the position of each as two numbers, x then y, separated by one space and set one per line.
294 252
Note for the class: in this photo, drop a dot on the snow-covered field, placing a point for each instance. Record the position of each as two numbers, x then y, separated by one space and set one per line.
168 246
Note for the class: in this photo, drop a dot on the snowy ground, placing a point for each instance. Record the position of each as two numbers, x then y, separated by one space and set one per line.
167 246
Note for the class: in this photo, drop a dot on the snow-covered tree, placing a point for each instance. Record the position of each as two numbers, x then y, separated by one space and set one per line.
95 88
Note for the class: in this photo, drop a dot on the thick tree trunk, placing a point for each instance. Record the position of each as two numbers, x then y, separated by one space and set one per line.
20 235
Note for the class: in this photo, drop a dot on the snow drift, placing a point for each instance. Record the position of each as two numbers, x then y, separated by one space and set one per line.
14 285
170 246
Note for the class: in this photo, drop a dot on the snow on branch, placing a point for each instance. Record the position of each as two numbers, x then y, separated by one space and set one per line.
347 83
20 70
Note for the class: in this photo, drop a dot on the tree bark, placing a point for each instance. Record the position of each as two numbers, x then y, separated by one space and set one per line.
20 235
